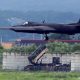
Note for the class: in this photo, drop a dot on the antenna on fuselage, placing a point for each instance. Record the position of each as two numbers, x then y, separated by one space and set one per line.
43 21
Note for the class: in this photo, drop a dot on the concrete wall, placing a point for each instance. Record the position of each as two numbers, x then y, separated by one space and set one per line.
18 61
75 62
65 58
48 58
14 61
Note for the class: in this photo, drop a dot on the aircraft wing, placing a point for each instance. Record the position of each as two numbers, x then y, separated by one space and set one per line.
30 29
42 29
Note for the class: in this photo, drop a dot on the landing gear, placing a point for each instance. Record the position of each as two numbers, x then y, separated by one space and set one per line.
46 37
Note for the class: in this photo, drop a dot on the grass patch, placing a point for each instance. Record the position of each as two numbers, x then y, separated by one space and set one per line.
39 76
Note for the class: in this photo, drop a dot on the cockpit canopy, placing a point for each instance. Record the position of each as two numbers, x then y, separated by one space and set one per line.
25 24
30 24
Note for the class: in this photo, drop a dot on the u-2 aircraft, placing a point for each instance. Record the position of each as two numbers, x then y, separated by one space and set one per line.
46 28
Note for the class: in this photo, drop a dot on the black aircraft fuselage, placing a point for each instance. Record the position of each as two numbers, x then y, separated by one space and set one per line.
44 28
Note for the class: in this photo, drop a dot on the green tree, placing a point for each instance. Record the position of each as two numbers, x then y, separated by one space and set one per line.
1 49
22 49
59 36
59 47
76 47
30 48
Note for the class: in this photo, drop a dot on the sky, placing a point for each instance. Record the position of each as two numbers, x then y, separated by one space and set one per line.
34 5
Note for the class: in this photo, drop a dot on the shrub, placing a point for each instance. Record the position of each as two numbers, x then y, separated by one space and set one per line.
59 47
